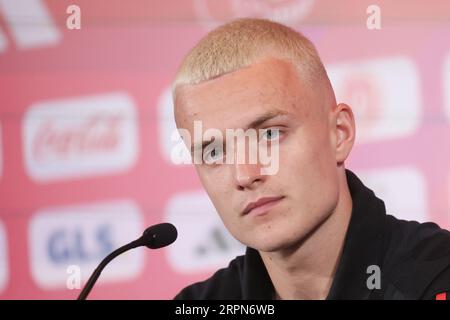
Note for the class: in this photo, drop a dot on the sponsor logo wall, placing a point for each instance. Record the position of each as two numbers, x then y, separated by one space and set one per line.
86 132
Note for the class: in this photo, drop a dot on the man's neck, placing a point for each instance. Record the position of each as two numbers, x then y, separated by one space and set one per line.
307 270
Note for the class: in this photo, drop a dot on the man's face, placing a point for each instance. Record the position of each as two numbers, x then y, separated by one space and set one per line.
306 182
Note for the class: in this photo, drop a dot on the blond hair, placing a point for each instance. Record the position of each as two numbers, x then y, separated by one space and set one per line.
240 43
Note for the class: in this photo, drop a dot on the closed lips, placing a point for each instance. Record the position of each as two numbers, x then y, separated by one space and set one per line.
260 202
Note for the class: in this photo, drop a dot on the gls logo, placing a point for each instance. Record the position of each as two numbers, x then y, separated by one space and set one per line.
30 23
83 236
65 245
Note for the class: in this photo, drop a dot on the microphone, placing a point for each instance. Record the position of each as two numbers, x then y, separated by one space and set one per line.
154 237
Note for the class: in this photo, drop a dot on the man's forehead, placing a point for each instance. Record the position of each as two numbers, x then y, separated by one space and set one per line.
267 82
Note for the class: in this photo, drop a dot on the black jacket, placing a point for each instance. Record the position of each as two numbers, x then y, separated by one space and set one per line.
414 259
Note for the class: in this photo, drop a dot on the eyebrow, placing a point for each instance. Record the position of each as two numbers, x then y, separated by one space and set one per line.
202 146
258 122
263 118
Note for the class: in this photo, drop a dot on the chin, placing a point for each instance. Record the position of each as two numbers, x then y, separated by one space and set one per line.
282 237
272 242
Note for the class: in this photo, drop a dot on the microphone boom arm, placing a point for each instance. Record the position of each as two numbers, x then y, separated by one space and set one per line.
96 274
154 237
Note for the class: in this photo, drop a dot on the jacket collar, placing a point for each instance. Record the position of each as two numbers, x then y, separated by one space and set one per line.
363 245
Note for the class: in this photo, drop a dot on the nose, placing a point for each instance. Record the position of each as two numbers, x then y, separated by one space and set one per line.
247 168
247 175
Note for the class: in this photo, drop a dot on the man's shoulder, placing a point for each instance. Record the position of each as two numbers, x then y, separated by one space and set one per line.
225 283
417 257
419 241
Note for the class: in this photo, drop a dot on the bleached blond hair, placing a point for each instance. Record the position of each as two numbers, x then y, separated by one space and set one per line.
242 42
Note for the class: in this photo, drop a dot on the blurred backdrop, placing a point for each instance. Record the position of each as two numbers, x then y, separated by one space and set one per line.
86 125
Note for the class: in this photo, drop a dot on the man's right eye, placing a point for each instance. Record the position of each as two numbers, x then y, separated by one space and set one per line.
212 154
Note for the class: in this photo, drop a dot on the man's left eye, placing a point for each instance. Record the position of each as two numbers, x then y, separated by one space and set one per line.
271 134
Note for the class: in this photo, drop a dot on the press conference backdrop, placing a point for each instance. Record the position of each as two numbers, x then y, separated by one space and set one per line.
86 131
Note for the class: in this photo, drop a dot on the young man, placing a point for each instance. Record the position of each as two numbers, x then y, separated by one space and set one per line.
312 229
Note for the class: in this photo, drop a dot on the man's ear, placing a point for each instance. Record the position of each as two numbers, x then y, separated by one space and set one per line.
344 131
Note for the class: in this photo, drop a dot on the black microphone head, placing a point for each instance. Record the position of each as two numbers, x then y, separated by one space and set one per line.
159 235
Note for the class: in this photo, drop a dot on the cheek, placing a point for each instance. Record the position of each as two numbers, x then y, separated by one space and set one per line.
300 152
311 148
306 162
209 182
216 186
219 190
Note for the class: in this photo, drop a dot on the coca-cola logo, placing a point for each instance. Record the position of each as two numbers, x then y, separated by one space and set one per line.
81 136
97 134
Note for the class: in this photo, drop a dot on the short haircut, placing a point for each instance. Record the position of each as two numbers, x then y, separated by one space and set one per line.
242 42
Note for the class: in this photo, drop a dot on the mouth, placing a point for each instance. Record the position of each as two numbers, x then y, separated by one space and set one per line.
261 206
